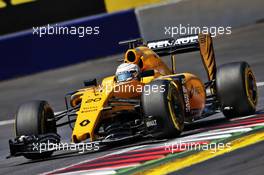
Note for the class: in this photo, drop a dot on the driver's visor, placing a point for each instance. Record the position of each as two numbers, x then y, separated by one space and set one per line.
124 76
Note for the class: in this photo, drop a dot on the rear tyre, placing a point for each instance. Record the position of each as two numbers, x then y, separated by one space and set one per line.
32 119
164 103
236 89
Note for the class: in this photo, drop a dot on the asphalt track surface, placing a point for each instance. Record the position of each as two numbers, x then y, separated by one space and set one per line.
245 43
248 160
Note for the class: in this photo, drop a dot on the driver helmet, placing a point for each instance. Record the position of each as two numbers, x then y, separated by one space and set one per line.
127 72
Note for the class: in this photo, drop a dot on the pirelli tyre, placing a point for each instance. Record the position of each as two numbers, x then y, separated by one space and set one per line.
163 108
236 89
32 119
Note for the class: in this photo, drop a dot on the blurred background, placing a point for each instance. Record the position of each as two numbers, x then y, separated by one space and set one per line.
23 53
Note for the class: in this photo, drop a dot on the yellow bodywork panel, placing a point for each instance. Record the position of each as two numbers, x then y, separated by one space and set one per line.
17 2
147 59
88 116
117 5
93 101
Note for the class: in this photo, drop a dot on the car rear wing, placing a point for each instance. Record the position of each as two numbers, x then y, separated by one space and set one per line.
200 42
170 46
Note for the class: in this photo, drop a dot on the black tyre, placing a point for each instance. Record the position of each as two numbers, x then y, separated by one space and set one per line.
32 119
166 106
236 89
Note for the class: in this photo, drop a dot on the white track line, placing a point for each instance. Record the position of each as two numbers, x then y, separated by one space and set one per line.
97 172
260 84
8 122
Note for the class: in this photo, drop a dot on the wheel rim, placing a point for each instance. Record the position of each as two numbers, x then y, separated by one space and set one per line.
251 88
174 108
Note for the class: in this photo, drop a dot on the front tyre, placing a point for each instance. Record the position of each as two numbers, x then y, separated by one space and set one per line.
236 89
163 102
35 118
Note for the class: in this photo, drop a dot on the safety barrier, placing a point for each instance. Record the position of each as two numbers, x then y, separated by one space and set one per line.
25 53
234 13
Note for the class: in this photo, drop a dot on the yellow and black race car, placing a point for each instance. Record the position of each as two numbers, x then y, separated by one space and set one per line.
144 99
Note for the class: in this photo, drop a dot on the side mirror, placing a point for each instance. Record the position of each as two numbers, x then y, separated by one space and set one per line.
91 82
148 73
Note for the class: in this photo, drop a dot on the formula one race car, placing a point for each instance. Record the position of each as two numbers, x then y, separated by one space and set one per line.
153 101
